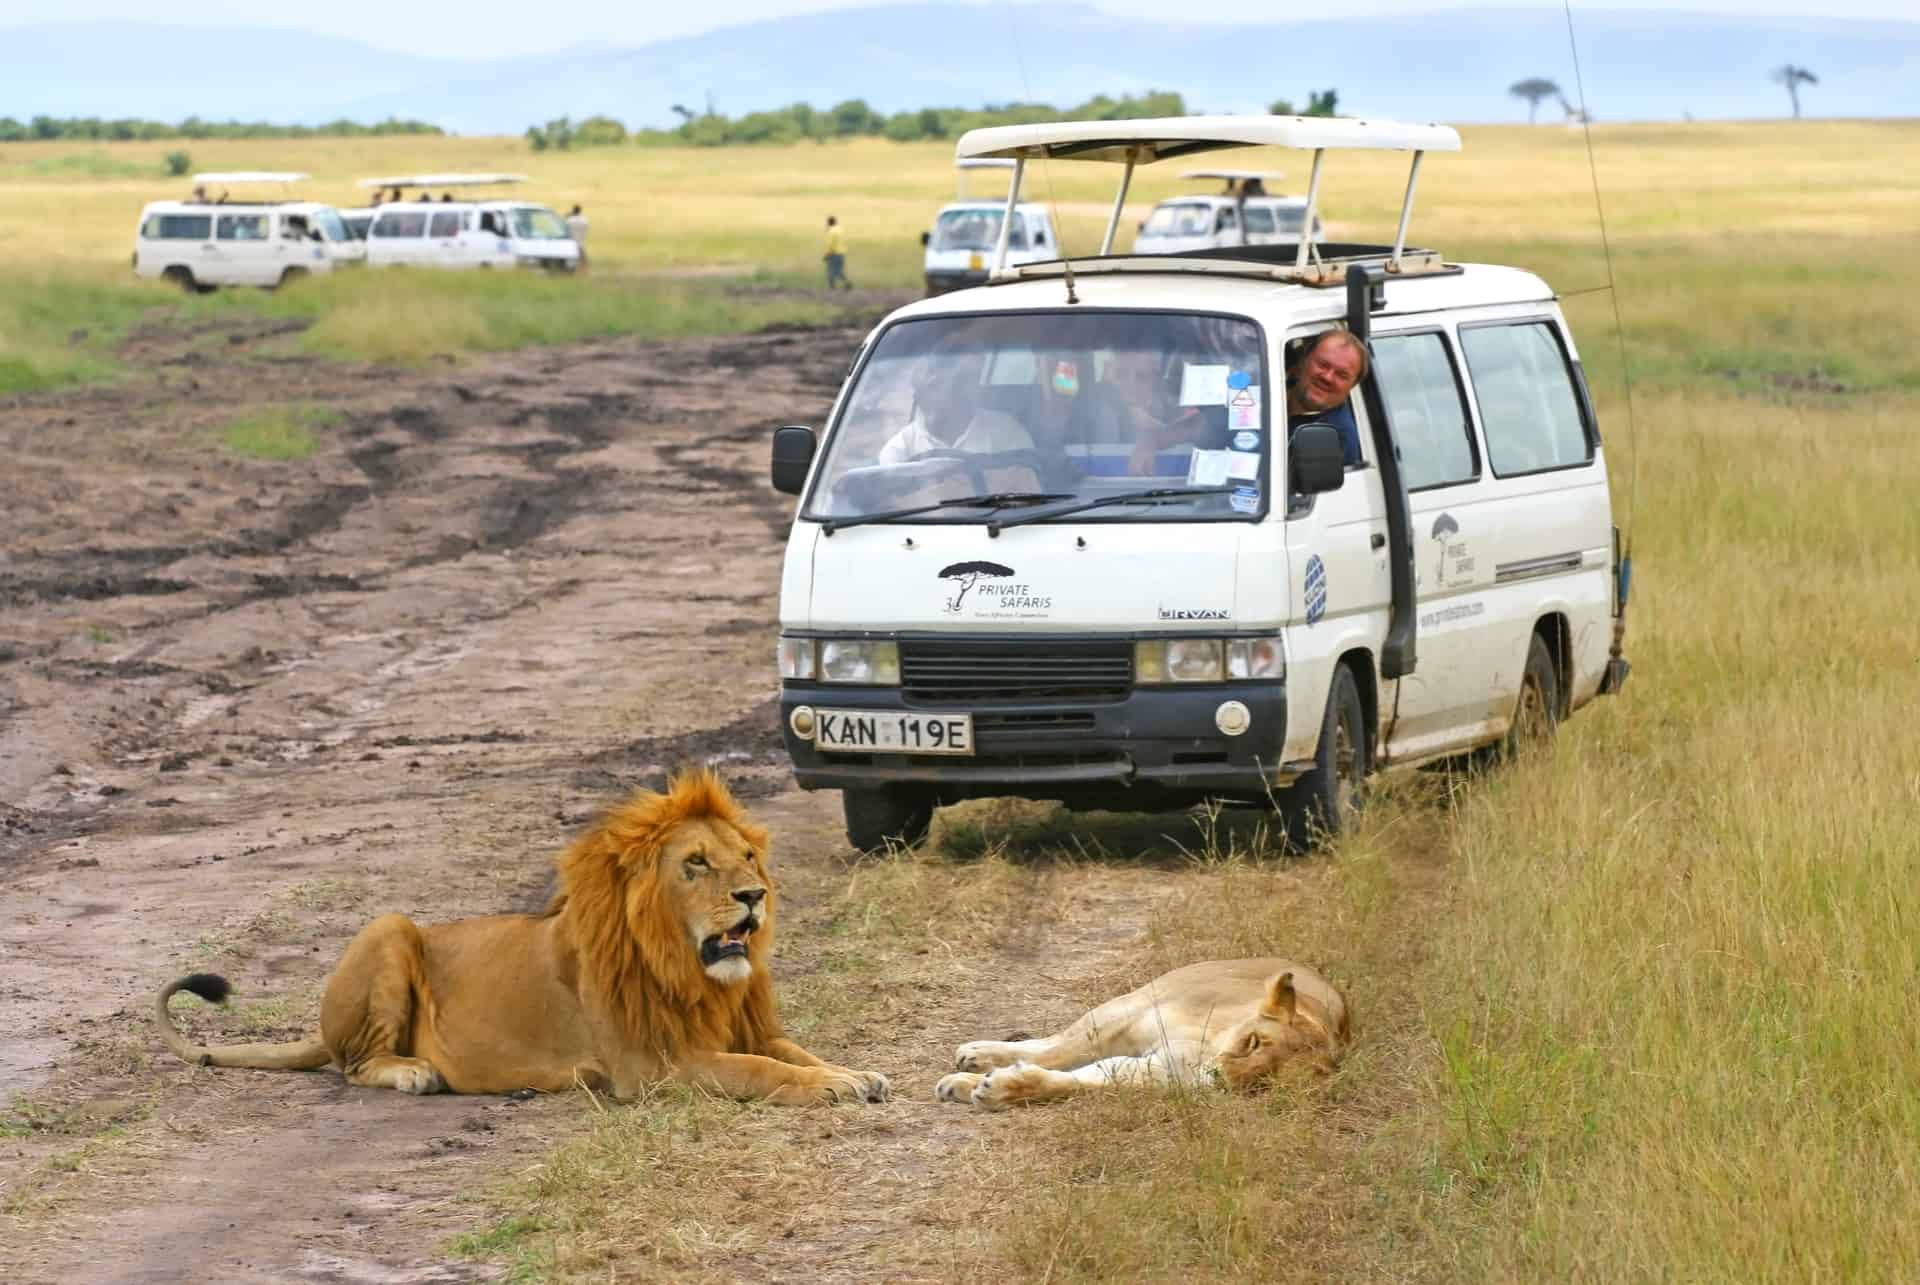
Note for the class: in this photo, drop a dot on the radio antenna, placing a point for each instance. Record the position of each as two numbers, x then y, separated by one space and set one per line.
1624 581
1053 202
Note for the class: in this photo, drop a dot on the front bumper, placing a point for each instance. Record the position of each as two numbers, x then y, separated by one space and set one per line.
1152 747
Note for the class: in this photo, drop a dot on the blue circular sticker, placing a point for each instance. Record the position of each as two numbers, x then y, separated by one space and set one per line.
1316 588
1239 379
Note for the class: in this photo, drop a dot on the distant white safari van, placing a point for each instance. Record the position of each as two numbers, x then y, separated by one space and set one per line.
1066 536
210 240
464 233
965 235
1244 214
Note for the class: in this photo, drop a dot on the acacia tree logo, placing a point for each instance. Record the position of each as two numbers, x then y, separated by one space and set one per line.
1443 526
967 575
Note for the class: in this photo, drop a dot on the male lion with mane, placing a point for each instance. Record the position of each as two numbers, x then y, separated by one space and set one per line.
1234 1021
649 964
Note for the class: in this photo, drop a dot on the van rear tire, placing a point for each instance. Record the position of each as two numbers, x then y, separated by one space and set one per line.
1536 711
289 277
180 277
1321 804
884 816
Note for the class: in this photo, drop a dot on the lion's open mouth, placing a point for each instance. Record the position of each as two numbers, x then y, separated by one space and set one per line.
727 945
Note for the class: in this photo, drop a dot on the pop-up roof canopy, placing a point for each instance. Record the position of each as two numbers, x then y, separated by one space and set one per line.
250 176
1141 142
1234 176
972 164
442 180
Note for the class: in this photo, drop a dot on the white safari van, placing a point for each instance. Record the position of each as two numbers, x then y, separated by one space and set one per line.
966 234
1062 539
1243 214
443 232
211 240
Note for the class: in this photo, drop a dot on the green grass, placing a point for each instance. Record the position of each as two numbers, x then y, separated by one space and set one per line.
99 164
290 432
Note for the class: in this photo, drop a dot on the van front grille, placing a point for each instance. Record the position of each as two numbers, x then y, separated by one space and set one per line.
972 670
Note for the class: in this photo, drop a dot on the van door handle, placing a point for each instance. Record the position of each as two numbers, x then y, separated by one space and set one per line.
1379 540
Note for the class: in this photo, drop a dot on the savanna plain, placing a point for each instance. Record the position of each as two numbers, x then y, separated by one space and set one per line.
365 595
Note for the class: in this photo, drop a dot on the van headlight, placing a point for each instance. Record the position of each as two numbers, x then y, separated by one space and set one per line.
860 660
1207 660
866 661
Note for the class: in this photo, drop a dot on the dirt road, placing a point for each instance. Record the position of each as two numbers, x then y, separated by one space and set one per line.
246 704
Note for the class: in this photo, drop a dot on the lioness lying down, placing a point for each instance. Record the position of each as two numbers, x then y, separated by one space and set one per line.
1237 1020
649 964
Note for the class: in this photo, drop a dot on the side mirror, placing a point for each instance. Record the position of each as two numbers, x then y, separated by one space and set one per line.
314 235
793 448
1315 459
925 239
1039 238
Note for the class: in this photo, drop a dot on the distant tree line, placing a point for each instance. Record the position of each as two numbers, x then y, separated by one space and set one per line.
850 119
129 129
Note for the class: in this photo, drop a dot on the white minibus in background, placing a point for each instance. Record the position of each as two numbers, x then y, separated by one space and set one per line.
1244 214
433 228
966 233
214 238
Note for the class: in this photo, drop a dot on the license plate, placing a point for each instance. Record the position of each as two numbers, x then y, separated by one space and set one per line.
867 731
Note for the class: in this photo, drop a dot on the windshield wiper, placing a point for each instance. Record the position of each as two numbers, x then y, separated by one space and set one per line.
1156 495
991 500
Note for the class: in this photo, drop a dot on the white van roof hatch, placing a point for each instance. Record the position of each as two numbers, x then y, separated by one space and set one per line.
1140 142
962 167
442 180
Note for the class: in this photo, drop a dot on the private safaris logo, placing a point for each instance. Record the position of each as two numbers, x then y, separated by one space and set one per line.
995 600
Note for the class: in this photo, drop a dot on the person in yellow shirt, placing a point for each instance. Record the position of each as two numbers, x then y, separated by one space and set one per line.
836 255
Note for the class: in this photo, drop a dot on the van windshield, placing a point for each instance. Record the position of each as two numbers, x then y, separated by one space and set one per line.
538 225
976 230
1190 219
331 226
1056 409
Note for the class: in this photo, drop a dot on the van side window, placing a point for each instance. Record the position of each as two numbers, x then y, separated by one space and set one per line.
241 227
400 223
1421 390
1528 408
1225 219
1259 219
445 223
178 227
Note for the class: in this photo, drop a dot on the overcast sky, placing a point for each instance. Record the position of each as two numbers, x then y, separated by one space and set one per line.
491 28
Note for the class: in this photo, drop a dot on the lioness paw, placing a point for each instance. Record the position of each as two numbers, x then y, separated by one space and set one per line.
1007 1085
422 1079
878 1088
984 1055
957 1087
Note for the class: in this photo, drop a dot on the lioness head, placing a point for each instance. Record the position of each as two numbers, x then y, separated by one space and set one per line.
1281 1032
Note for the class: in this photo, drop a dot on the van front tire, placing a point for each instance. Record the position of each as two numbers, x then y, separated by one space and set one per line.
180 277
880 817
289 277
1321 803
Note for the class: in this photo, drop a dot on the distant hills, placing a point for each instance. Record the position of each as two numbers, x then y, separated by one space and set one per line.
1451 65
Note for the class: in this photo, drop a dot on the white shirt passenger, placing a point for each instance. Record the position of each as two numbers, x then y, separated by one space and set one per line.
989 431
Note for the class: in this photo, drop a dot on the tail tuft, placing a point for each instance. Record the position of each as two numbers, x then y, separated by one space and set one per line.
210 987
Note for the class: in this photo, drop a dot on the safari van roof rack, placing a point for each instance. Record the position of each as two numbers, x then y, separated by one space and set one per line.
442 180
961 168
1236 180
1141 142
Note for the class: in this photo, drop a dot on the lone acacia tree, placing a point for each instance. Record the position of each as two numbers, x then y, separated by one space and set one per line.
1535 89
1793 77
968 574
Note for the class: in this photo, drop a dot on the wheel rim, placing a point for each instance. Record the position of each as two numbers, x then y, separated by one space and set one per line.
1532 721
1346 767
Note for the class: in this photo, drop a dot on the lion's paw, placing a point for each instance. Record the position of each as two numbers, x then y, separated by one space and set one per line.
420 1078
853 1086
984 1055
879 1089
1005 1086
957 1087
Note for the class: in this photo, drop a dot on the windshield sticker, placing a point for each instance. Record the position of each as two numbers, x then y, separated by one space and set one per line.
1207 468
1203 385
995 600
1243 466
1066 378
1316 587
1243 408
1246 440
1245 499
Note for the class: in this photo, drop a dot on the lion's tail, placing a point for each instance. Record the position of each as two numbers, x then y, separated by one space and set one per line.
295 1055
